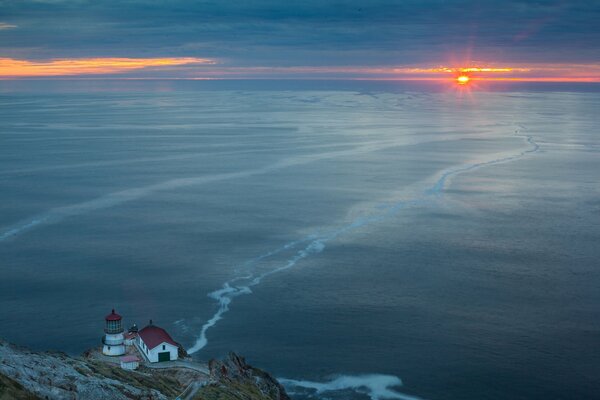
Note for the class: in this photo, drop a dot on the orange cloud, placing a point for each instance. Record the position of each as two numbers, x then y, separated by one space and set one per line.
12 68
201 68
530 72
582 79
461 69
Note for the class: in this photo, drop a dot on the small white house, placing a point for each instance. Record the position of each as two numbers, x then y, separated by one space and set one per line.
130 362
156 344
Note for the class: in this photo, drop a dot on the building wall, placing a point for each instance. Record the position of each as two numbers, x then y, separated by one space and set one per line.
118 350
113 339
130 340
152 354
113 345
130 365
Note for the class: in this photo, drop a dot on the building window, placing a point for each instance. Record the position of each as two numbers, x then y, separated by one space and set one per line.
108 348
164 346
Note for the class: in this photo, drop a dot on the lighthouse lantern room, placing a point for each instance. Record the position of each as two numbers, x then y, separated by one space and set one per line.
113 338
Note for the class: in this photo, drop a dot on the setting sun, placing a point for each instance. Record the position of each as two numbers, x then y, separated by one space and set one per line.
463 79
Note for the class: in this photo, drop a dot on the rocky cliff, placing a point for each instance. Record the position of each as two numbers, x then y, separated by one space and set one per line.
25 374
232 379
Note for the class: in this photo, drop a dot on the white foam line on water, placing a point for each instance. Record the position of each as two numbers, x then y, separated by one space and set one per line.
110 163
15 231
116 198
316 242
376 386
256 260
112 199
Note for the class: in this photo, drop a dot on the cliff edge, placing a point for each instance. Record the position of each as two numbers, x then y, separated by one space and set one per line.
29 375
232 379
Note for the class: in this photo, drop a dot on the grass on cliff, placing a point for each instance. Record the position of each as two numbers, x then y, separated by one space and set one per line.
253 384
13 390
167 385
233 391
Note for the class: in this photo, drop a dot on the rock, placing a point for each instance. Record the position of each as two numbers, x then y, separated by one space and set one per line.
13 390
233 367
182 353
233 378
29 375
56 376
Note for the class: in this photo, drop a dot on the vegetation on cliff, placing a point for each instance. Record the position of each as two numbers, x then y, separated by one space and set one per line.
28 375
233 379
13 390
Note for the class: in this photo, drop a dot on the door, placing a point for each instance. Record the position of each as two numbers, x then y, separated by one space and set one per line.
166 356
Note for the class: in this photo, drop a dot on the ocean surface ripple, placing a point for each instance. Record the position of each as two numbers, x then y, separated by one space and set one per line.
58 214
376 386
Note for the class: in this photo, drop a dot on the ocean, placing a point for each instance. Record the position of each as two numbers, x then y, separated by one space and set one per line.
359 240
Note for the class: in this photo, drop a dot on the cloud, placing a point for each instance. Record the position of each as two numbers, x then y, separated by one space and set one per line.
274 33
204 68
4 25
89 66
518 72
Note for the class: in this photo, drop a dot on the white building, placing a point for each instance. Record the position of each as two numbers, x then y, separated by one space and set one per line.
131 335
113 338
130 362
156 344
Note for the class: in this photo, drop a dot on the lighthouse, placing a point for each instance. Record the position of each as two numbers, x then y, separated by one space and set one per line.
113 338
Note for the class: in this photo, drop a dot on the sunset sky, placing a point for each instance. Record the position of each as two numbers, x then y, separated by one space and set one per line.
424 39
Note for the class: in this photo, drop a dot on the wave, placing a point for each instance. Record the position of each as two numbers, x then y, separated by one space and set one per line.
376 386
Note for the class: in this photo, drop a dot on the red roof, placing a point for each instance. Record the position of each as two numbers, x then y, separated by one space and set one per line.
153 336
113 316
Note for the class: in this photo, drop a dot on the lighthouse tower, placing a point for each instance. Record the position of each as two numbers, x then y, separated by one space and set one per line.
113 340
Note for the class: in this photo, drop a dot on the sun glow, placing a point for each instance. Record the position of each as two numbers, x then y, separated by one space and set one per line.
463 79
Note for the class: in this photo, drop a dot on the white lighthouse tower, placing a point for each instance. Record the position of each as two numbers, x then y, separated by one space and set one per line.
113 340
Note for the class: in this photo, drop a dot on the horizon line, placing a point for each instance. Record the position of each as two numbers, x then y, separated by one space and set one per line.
415 79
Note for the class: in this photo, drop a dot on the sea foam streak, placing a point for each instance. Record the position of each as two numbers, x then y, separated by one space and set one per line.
316 242
116 198
376 386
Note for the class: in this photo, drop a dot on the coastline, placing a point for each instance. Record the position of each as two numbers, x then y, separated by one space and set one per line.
26 374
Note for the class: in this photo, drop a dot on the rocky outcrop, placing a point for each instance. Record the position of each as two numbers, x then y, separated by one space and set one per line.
13 390
28 375
232 378
58 376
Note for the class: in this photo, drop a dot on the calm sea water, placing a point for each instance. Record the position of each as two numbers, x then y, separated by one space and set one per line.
342 236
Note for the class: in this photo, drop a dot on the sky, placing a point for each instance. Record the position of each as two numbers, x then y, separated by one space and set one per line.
376 39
